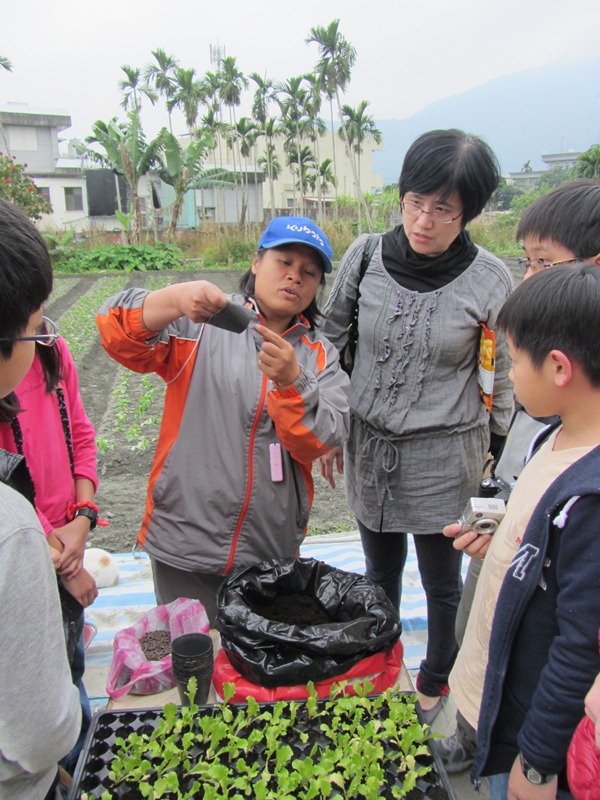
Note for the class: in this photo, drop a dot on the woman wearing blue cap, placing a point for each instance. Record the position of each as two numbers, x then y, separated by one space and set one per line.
251 401
419 430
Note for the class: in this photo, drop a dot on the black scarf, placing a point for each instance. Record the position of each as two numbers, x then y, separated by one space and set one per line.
421 273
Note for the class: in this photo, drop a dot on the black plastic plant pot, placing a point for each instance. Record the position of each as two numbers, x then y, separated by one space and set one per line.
92 778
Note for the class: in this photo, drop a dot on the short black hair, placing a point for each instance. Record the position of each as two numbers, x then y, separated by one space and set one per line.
451 161
25 273
247 286
557 309
568 215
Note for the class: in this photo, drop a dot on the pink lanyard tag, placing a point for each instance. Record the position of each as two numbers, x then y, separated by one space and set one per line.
276 463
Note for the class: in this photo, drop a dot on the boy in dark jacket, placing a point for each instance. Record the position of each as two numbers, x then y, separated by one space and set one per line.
563 226
543 654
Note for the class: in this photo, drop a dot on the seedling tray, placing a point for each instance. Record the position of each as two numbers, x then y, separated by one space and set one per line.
91 777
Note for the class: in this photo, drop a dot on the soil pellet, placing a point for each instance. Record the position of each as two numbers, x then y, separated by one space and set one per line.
156 645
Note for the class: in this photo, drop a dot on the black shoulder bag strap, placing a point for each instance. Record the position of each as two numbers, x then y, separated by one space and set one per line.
347 356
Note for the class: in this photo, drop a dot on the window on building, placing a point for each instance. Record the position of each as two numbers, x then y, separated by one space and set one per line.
45 192
73 198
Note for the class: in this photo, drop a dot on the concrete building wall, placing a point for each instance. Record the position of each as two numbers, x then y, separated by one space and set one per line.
369 180
284 186
69 202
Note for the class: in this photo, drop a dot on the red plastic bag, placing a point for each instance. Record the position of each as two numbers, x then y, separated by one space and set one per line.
380 669
130 671
583 762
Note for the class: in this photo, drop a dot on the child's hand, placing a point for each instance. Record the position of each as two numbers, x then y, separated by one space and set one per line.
336 454
55 556
73 536
82 587
470 542
277 358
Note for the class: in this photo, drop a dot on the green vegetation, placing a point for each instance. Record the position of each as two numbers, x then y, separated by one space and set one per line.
318 749
135 421
78 325
122 258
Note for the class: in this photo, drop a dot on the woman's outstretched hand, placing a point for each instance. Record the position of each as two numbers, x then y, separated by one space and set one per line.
326 462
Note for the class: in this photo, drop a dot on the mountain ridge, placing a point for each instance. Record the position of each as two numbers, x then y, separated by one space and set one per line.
523 116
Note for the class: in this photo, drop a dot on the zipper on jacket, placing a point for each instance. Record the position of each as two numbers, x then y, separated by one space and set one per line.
249 485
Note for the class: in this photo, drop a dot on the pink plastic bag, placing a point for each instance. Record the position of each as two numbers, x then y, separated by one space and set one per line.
130 671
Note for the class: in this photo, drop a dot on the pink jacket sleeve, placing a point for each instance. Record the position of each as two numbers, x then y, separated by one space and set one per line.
83 433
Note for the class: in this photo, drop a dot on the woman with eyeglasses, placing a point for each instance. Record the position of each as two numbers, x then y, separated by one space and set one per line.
44 420
420 432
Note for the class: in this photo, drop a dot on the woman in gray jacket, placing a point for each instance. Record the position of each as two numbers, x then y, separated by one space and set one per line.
420 432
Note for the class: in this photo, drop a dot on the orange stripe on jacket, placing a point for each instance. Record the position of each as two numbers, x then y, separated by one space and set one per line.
177 372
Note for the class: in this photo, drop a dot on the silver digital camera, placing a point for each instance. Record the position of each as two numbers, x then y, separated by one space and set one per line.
482 514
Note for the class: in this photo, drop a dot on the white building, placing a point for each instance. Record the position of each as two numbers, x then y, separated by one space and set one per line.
32 136
84 196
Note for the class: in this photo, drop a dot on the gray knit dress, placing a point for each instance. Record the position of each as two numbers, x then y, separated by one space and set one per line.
419 431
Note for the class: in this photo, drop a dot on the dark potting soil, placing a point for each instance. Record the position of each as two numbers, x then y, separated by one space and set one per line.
293 609
156 645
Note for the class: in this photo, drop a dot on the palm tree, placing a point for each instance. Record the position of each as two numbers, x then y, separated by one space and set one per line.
304 160
359 127
271 164
188 94
5 63
263 95
127 153
337 57
211 123
291 98
315 127
232 82
132 87
161 75
211 84
329 92
246 134
270 159
588 163
325 176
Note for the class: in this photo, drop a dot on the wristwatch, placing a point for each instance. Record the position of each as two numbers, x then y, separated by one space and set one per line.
90 513
532 775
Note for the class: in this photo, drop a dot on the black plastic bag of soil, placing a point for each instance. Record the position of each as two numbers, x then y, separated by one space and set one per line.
289 621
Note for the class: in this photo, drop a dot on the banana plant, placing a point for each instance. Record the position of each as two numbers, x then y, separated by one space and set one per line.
182 169
127 153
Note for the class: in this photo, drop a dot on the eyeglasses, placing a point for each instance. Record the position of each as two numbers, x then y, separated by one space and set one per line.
414 208
46 334
538 264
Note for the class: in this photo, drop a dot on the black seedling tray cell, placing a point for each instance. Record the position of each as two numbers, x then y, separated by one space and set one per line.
100 748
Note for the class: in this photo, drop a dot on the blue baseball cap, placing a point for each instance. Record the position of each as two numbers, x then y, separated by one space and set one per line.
297 230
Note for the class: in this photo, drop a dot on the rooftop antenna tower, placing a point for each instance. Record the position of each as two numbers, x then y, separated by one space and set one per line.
217 54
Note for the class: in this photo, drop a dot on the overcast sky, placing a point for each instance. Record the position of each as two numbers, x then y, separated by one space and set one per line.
410 53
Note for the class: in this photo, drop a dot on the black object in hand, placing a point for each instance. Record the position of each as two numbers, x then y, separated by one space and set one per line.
233 317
